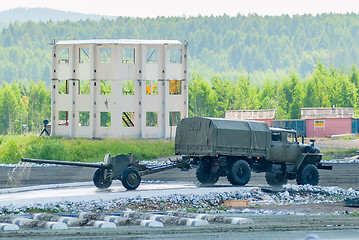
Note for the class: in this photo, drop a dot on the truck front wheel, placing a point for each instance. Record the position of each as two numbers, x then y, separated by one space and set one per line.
239 173
308 174
204 174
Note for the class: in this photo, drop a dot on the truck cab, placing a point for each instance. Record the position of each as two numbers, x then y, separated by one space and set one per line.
284 146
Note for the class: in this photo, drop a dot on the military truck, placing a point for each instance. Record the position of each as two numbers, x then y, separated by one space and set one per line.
234 148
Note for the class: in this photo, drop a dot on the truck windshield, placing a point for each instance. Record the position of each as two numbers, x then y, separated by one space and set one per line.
291 137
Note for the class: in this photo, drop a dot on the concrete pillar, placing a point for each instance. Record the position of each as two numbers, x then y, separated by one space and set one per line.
185 72
54 87
142 88
74 69
165 114
94 86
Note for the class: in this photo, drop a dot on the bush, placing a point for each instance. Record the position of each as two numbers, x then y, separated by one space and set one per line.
46 148
13 148
11 153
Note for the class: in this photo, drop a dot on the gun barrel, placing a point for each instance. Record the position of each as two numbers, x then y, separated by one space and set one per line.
80 164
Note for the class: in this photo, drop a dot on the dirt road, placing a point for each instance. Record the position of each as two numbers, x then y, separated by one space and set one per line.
272 226
343 175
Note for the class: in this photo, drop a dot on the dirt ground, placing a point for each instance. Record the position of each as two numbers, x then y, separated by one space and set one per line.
329 221
344 144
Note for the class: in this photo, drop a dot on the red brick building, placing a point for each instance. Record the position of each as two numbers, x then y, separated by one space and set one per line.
325 122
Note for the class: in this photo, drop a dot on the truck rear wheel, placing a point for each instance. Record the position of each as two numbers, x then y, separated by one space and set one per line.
131 178
308 174
204 174
239 173
99 179
276 179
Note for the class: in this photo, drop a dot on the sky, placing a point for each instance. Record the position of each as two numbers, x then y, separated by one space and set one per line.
154 8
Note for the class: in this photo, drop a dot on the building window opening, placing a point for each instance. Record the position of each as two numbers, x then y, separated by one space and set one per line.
319 124
151 87
84 119
64 55
128 87
63 86
175 55
128 55
84 55
105 54
105 119
105 87
175 118
63 118
128 119
84 87
151 119
151 55
175 87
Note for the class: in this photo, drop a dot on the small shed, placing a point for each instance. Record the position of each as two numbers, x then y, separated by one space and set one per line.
325 122
259 115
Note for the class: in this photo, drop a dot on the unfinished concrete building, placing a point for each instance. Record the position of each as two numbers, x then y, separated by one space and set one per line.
118 88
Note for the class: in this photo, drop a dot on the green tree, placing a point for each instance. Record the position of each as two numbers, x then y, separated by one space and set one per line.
9 108
39 106
202 101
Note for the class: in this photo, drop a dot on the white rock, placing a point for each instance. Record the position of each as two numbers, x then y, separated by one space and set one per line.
56 225
103 224
151 223
240 221
9 227
197 222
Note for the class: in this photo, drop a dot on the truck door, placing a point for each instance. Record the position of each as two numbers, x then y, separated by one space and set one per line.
292 150
276 153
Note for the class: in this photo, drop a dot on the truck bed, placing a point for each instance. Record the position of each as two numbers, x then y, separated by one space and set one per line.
199 136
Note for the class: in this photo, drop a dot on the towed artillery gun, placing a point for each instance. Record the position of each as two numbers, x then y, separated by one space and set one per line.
125 168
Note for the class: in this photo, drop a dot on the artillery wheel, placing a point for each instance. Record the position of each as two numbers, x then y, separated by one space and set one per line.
204 175
276 179
131 178
99 179
239 173
308 174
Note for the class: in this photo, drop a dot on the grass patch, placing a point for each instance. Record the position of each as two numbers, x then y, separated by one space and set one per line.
332 153
354 214
13 148
38 210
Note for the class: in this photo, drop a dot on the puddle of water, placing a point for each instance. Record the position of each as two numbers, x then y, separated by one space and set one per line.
20 172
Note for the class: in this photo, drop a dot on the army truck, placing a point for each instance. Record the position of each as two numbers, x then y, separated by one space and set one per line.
234 148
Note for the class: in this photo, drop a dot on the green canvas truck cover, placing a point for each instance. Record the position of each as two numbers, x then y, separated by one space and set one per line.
199 136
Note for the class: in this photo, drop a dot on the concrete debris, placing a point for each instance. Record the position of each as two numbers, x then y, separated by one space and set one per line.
288 194
342 161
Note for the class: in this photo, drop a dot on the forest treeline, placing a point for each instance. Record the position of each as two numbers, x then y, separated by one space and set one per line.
243 62
23 106
262 46
326 87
